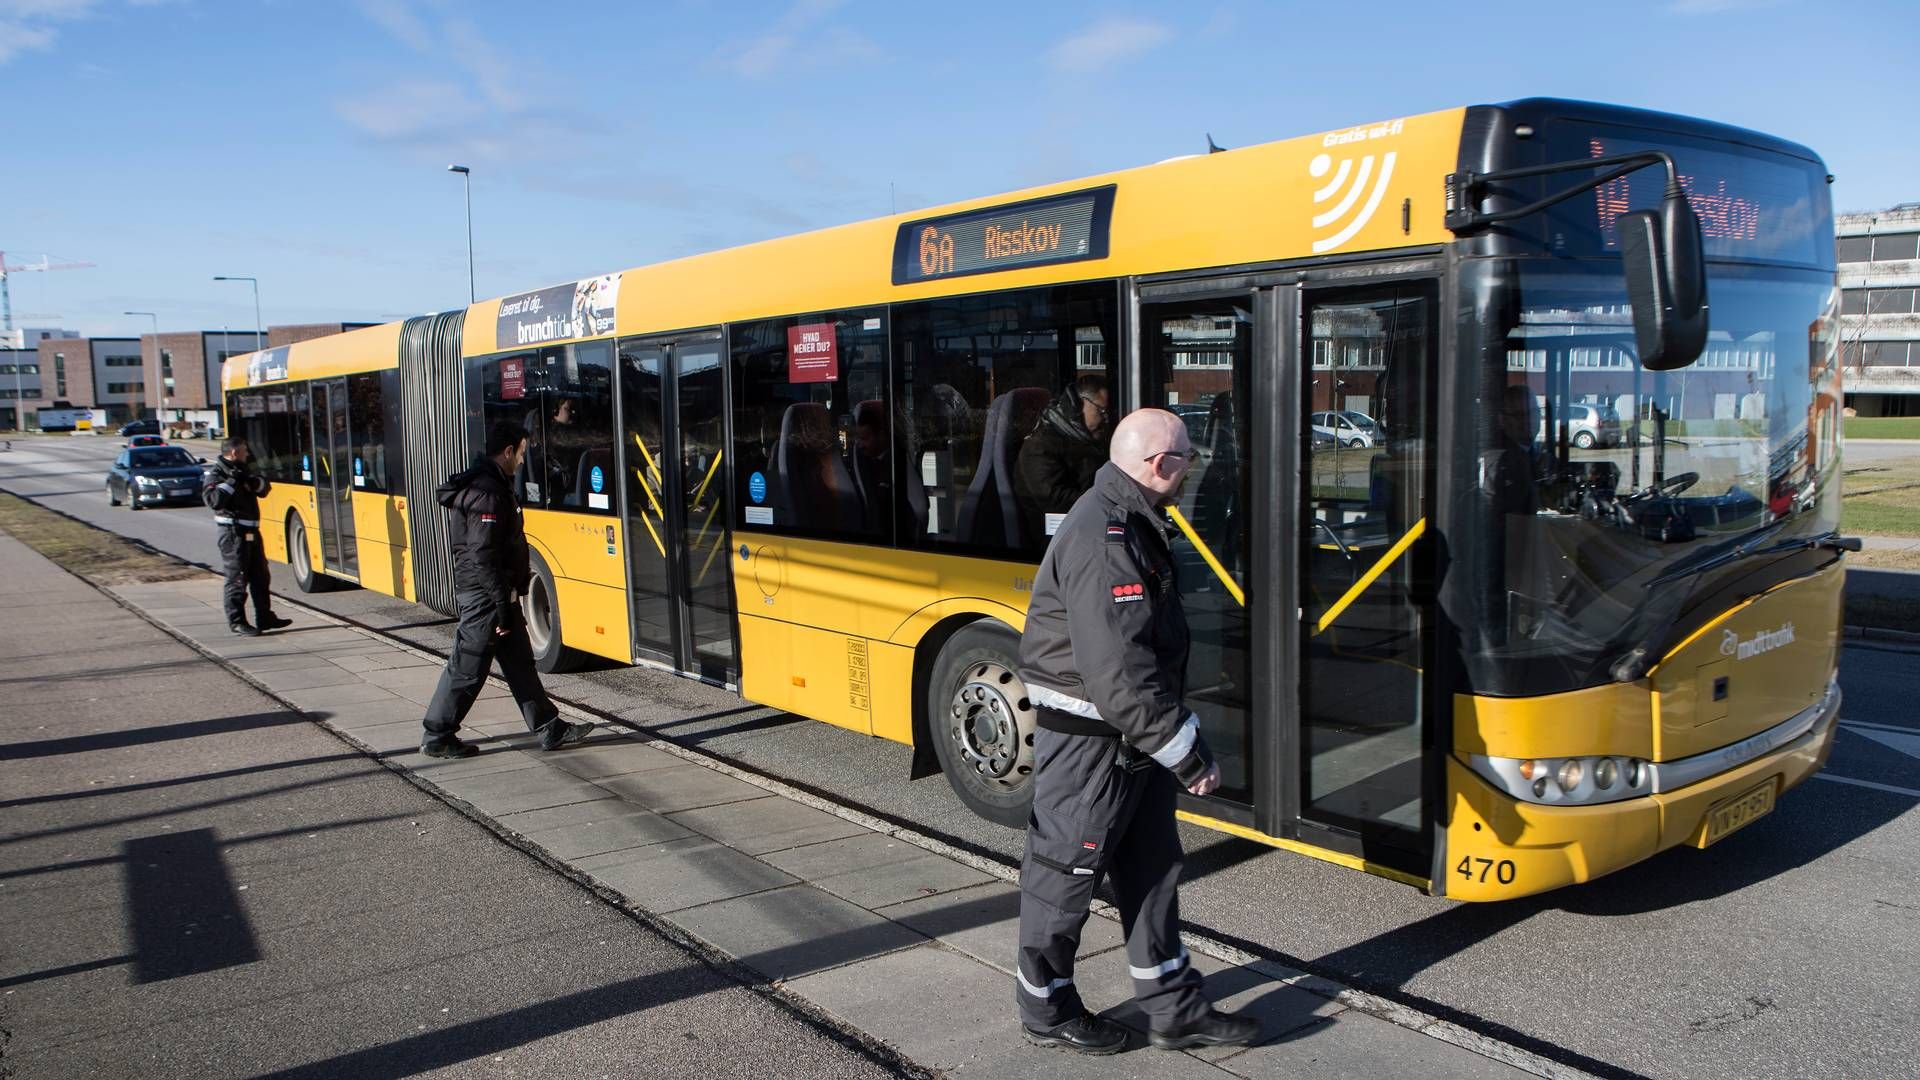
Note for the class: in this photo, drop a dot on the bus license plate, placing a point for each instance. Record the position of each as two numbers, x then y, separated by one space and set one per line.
1742 811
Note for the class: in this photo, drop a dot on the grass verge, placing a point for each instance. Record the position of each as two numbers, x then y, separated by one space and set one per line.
1882 497
1881 427
101 557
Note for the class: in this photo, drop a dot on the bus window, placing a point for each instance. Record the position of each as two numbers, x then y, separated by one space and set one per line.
1008 407
570 457
367 432
275 433
508 388
812 430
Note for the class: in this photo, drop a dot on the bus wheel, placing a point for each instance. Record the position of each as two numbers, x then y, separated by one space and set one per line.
541 606
982 724
304 575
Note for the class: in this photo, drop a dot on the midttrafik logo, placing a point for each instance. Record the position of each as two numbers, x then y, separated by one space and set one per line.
1764 641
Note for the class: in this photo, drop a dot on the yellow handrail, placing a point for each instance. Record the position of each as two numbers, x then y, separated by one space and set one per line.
1206 553
1368 578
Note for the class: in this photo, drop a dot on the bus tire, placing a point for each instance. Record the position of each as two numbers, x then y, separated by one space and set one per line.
541 606
305 576
981 722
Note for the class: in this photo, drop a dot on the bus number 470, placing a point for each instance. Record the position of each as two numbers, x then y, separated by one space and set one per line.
1503 871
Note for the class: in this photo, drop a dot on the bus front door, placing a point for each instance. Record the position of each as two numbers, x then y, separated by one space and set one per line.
673 445
1364 370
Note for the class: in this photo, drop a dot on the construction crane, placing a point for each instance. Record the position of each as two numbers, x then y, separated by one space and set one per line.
6 297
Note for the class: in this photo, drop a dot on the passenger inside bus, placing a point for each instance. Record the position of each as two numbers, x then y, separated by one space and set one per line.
1065 448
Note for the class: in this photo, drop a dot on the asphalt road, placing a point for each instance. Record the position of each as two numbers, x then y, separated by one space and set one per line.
1787 949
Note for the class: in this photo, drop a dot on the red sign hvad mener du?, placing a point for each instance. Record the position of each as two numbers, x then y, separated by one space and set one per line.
813 354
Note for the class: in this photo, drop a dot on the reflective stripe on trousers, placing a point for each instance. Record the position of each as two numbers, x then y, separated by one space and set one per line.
1092 819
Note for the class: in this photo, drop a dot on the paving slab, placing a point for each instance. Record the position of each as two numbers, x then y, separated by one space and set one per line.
682 873
1355 1044
308 675
789 932
324 697
522 789
956 1016
772 823
875 870
984 923
682 787
613 753
489 760
595 828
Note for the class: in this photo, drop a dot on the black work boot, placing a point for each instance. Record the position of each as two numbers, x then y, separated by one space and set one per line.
245 628
270 621
1214 1029
1084 1034
447 746
557 733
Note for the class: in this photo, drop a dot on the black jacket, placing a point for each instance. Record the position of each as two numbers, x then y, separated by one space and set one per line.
1057 462
490 562
1106 638
235 492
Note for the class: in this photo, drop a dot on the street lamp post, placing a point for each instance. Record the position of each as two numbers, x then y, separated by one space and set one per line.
258 343
466 182
160 366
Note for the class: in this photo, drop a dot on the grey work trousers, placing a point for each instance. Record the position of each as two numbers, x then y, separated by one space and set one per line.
475 648
1094 818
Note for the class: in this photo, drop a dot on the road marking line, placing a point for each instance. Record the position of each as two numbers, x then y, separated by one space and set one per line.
1878 727
1867 784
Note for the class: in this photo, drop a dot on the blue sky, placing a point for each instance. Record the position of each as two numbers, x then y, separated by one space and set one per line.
305 142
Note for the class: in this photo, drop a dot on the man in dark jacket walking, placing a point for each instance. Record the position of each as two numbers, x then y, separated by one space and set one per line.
234 497
490 574
1104 658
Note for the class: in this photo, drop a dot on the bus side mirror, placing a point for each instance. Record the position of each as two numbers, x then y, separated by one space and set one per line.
1666 282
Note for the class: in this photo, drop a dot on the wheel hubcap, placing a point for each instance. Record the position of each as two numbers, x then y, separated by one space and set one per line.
991 724
539 616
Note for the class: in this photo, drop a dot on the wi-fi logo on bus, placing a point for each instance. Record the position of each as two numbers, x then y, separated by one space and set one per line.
1348 188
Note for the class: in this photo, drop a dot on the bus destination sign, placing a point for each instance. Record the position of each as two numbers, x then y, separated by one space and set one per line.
1056 229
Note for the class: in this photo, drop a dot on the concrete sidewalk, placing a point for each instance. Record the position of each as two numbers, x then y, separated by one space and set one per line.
196 882
891 934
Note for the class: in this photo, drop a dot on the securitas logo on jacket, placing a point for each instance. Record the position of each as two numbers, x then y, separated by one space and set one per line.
1762 642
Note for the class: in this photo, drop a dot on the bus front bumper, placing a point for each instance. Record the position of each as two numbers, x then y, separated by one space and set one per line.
1499 848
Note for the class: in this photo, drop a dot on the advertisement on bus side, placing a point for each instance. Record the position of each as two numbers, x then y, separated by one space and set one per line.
582 309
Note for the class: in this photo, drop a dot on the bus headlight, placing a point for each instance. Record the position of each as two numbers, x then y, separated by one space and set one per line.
1568 781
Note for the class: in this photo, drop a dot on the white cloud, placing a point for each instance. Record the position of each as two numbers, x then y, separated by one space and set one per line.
1106 43
797 40
26 25
18 37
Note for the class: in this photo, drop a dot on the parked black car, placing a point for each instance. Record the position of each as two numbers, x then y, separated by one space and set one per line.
140 427
154 475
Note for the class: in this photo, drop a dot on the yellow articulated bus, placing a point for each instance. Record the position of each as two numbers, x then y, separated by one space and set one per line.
1510 546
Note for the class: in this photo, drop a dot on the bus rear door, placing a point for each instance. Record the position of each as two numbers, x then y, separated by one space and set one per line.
673 443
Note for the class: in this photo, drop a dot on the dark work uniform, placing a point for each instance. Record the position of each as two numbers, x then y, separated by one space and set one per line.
234 496
490 570
1104 658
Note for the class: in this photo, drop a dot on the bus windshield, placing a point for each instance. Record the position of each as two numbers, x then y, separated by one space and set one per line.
1605 486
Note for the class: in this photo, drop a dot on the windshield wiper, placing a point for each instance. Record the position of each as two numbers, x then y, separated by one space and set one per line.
1714 558
1633 664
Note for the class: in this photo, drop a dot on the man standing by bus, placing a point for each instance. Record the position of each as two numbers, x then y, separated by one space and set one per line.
491 572
234 498
1104 658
